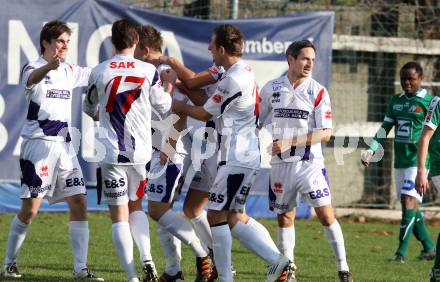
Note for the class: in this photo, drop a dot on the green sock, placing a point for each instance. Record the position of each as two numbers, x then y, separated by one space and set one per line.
421 232
406 228
437 254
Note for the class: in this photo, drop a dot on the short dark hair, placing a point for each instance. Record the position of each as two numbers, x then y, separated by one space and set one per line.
150 37
413 65
124 34
231 38
295 47
52 30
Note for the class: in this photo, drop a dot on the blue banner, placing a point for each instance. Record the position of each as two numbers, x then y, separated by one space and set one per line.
185 38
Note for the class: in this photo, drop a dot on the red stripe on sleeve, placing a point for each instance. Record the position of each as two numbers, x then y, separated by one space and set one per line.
319 97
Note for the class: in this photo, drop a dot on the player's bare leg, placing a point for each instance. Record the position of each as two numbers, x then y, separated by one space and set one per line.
335 239
17 234
255 237
193 208
182 229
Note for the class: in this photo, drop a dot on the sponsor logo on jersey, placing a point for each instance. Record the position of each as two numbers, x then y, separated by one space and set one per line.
47 80
217 98
248 68
44 171
122 65
213 70
328 115
276 86
398 107
276 97
291 113
415 109
223 90
278 187
58 94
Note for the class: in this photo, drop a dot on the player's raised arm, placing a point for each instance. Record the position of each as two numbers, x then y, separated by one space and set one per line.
36 75
191 79
198 96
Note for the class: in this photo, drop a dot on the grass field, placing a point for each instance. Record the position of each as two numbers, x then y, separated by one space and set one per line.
46 254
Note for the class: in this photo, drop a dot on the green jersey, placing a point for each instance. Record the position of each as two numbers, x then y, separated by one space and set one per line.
432 120
406 112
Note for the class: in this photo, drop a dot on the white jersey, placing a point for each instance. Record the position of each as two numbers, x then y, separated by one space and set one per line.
126 90
296 112
50 100
235 103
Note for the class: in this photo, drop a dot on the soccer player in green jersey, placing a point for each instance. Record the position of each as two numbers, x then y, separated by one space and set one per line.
430 138
406 112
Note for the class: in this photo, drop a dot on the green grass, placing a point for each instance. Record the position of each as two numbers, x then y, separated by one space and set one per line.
46 254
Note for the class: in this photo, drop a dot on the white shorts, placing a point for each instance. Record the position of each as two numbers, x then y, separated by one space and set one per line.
118 184
204 179
165 182
231 187
406 182
307 178
48 170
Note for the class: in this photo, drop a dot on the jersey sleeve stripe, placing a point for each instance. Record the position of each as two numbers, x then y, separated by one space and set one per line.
319 97
156 78
430 125
228 101
89 99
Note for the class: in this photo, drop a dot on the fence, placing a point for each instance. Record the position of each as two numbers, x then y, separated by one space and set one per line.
371 41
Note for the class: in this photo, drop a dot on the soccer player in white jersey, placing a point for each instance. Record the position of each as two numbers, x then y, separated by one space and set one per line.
235 103
163 180
204 147
126 90
48 169
301 119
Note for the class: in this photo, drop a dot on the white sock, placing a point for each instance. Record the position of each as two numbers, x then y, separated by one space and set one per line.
171 247
336 241
201 227
17 234
124 246
256 238
222 246
286 241
79 240
182 229
140 230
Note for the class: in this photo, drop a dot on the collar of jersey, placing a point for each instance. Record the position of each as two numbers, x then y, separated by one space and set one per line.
421 92
123 56
237 63
301 86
